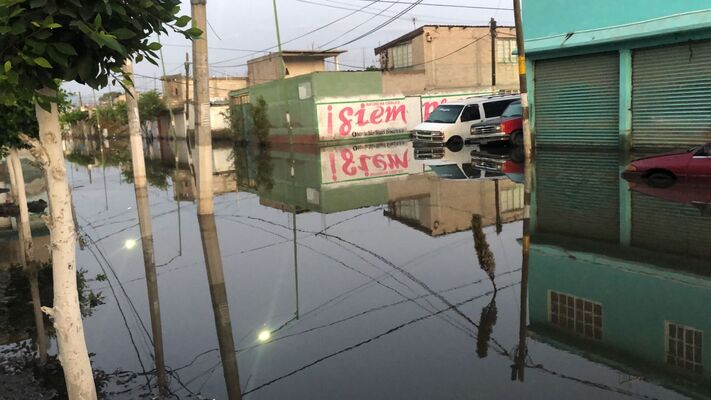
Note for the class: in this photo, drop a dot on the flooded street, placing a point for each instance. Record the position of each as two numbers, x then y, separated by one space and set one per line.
318 280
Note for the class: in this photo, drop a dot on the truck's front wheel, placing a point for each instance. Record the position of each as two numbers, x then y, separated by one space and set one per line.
455 143
517 138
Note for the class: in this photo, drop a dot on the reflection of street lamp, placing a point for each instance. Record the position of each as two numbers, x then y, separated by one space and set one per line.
129 244
264 335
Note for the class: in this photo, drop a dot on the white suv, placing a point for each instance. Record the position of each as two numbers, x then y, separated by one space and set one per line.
451 122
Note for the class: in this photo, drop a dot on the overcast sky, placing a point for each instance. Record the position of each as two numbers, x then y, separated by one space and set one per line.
241 27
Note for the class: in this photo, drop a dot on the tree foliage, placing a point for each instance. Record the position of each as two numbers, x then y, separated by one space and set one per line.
43 42
150 105
19 118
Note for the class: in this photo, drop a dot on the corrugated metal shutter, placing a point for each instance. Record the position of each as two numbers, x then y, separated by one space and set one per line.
664 226
576 100
577 194
671 98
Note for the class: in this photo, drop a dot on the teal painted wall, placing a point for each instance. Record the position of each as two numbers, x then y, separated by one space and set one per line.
636 299
554 17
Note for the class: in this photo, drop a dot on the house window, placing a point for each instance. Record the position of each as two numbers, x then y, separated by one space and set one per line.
402 56
577 315
504 50
511 199
305 90
684 347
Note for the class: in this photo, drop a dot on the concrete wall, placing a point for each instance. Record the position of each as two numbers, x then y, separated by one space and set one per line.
446 206
267 69
448 61
220 87
558 17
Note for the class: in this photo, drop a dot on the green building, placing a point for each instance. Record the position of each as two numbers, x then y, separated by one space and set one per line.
610 73
620 277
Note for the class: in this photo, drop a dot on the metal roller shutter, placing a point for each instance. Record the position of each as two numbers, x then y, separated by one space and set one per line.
577 194
671 96
676 228
576 100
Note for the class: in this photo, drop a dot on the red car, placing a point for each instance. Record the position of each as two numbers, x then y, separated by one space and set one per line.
509 127
693 165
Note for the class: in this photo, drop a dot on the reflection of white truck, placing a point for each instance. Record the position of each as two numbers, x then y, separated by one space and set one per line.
451 123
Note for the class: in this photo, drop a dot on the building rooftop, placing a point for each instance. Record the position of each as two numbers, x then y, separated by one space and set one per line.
419 31
299 53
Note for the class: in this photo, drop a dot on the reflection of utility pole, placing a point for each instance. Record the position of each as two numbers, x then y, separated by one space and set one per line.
527 145
492 29
146 227
497 199
187 88
203 130
296 260
220 306
487 262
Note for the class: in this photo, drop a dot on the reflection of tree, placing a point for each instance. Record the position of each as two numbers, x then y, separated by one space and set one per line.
487 262
486 327
20 369
265 170
254 167
156 174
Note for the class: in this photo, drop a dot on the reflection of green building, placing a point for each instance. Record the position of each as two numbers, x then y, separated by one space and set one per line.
325 179
620 278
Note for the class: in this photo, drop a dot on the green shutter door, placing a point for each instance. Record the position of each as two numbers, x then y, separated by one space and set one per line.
576 100
663 226
671 97
577 194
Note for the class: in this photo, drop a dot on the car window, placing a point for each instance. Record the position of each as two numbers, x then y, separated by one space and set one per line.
704 151
513 110
445 114
471 113
496 108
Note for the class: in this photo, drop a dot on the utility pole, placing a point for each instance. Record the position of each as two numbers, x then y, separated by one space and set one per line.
81 103
134 131
492 29
187 87
522 79
517 371
96 111
203 131
282 72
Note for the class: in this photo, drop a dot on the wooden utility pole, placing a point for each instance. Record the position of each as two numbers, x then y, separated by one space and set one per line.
522 79
492 29
203 128
187 87
519 366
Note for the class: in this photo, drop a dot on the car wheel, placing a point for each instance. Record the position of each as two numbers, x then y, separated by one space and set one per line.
661 179
517 138
455 144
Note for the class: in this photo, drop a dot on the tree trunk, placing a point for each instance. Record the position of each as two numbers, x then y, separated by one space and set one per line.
26 250
66 313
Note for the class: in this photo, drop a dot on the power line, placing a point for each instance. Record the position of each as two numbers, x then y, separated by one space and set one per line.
446 5
350 30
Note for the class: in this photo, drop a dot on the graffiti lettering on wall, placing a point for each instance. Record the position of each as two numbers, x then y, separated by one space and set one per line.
351 163
362 119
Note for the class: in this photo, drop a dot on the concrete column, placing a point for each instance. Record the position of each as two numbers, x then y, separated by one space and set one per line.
203 128
625 112
134 130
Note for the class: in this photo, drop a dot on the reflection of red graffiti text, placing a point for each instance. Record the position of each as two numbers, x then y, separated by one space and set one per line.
368 114
379 164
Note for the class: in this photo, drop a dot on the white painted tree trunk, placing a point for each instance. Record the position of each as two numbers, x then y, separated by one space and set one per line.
66 313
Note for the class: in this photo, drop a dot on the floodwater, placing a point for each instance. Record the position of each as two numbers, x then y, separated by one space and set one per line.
354 272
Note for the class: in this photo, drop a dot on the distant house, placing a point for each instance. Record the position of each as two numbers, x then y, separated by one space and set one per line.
619 73
298 62
445 58
176 98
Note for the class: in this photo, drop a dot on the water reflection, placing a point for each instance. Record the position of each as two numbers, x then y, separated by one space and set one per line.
387 271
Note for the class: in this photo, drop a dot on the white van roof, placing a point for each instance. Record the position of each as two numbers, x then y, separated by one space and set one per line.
481 99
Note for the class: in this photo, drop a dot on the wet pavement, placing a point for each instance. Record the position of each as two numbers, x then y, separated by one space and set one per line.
355 272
